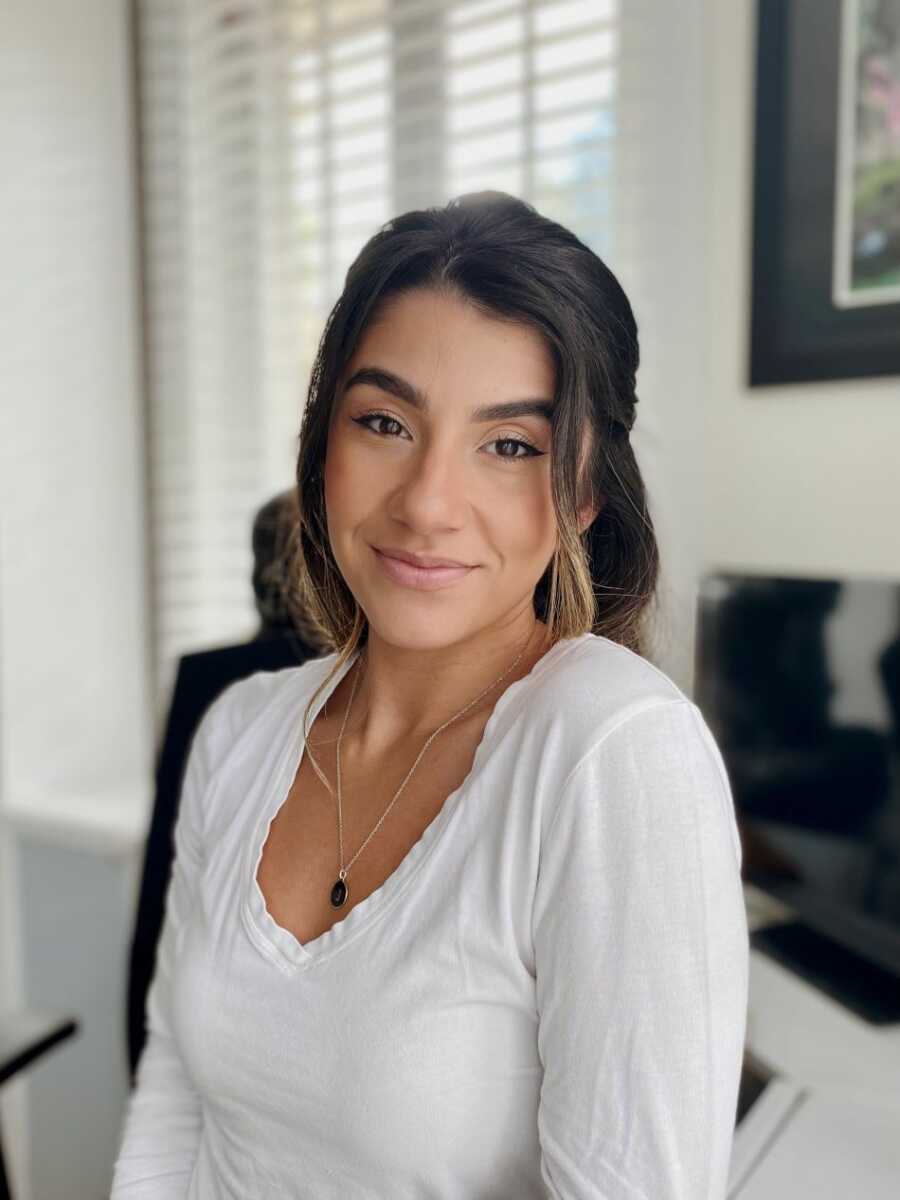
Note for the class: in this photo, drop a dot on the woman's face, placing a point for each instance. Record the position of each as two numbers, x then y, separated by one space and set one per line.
436 477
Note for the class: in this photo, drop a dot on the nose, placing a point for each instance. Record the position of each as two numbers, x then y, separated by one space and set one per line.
434 486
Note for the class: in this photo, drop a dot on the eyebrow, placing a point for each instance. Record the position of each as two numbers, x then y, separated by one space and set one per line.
387 381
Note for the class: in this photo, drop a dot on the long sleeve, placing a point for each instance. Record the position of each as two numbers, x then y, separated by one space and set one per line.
163 1118
641 959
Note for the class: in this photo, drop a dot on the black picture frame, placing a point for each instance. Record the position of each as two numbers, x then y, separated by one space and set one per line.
798 332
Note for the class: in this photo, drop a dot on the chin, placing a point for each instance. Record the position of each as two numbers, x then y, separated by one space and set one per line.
408 629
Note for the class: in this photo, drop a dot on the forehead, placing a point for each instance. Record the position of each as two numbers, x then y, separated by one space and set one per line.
435 338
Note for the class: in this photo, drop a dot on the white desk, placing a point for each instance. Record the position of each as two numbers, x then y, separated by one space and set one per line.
830 1126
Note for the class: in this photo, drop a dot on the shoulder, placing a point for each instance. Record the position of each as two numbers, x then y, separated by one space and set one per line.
248 704
618 727
593 685
593 661
612 696
642 752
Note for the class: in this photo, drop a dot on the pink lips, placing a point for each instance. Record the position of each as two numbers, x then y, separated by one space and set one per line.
423 578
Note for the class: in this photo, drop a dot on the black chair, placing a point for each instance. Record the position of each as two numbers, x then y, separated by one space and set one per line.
25 1035
200 679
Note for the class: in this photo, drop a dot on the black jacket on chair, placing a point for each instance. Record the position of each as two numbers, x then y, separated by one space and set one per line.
200 679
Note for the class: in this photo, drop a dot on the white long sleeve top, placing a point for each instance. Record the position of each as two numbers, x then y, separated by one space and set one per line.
546 999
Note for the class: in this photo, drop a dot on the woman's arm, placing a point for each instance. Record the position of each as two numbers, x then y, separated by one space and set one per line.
642 956
163 1118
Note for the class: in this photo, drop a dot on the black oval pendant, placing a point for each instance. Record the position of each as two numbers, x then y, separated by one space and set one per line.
339 893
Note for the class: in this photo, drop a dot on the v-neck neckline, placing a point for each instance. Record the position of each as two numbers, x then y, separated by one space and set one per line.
278 944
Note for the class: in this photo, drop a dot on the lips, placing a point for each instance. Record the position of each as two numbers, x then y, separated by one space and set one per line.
424 561
423 578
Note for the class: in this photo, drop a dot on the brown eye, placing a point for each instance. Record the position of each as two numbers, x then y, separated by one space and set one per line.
530 451
376 416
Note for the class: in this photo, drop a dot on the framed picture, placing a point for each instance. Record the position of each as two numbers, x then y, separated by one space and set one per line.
826 191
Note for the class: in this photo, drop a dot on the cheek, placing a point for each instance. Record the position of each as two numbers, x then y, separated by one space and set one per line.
524 519
352 459
344 483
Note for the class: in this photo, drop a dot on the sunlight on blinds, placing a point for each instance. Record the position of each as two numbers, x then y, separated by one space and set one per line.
529 106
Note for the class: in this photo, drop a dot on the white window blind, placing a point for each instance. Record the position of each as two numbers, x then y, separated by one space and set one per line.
276 137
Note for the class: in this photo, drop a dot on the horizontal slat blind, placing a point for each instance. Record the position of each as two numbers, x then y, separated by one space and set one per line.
276 137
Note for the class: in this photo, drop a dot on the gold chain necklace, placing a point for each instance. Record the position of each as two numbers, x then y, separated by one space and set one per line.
340 890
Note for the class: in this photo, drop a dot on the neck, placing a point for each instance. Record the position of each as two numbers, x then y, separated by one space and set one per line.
398 701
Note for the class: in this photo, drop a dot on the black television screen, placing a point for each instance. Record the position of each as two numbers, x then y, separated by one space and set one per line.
799 680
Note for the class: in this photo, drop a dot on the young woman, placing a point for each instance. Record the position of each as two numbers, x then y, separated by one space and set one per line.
456 909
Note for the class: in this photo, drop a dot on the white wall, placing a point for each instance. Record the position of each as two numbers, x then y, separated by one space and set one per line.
74 696
662 168
798 477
